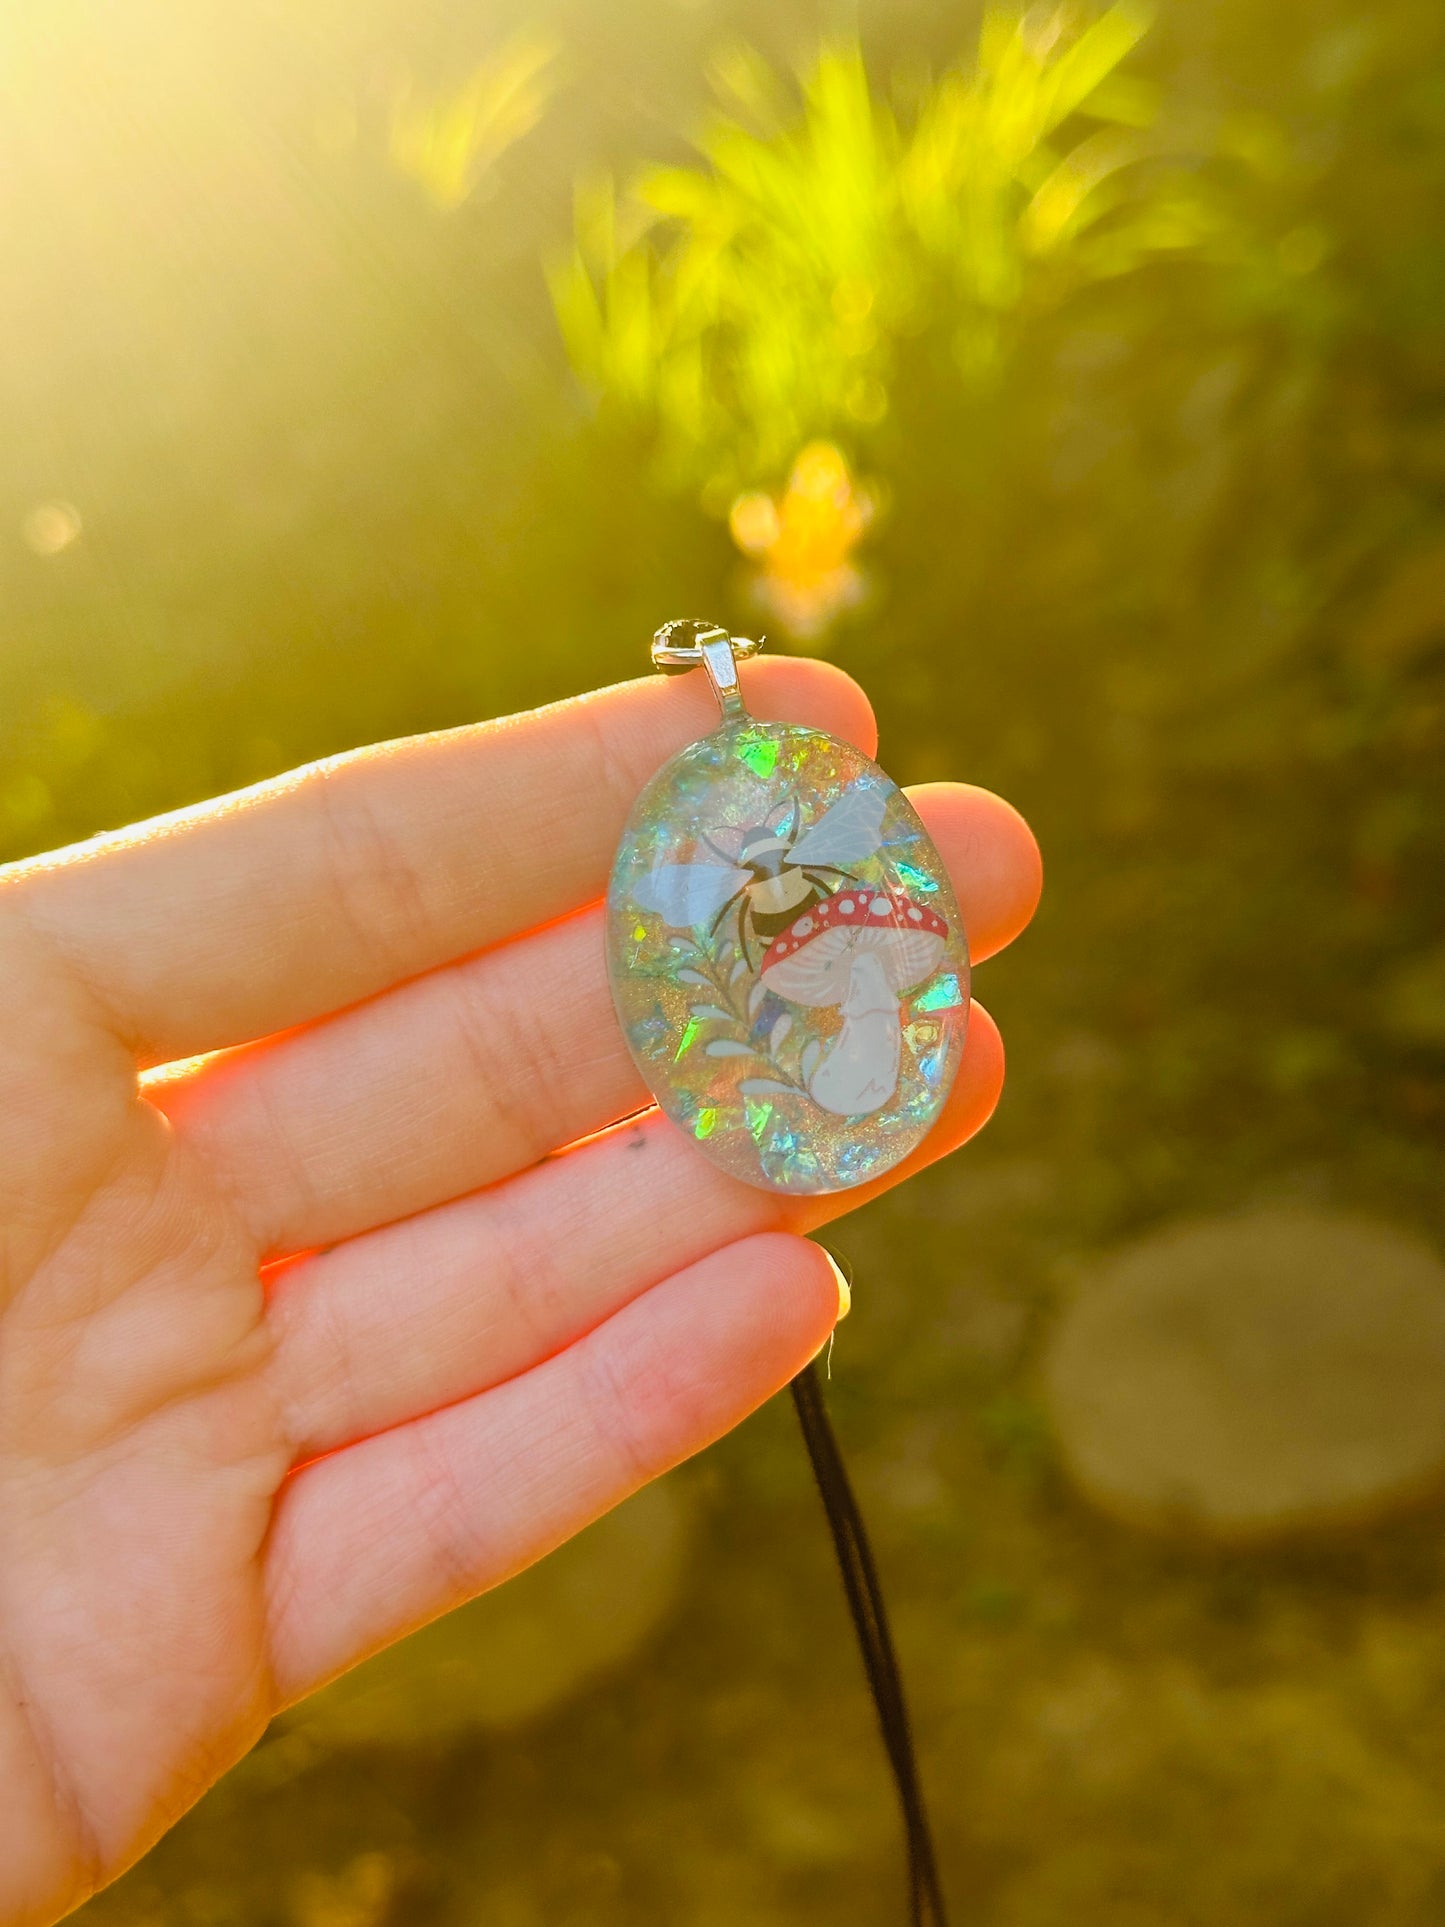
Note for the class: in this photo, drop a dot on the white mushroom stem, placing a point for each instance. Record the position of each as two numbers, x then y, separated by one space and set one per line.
859 1073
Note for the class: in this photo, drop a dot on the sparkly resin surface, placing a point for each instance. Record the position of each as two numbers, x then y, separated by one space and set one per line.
787 958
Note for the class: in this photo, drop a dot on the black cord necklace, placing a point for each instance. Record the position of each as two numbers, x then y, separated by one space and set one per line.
870 1621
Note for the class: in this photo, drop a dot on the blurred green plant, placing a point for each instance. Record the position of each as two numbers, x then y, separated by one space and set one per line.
448 143
741 306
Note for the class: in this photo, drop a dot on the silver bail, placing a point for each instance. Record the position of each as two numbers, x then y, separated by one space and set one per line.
688 642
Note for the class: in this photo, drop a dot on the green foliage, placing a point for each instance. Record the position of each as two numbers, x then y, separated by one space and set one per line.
449 144
761 296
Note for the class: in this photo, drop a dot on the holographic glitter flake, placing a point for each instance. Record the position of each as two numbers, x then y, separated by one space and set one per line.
760 913
944 994
761 756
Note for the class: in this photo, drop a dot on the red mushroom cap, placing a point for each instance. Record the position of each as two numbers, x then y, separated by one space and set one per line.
808 962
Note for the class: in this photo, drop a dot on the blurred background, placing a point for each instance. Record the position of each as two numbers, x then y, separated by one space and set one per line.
1076 380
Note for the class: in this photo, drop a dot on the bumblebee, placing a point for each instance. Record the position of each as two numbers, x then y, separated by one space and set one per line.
780 869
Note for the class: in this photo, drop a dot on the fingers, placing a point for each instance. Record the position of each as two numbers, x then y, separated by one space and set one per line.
434 1309
462 1076
445 1084
269 908
371 1543
993 861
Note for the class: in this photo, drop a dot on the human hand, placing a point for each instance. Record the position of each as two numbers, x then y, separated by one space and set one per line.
307 1341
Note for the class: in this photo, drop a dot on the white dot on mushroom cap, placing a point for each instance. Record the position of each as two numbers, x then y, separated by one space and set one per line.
880 906
915 913
846 906
803 927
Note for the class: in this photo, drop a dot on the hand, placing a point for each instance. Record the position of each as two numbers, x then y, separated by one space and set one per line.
305 1340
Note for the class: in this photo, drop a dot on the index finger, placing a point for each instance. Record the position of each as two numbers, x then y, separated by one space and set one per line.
275 905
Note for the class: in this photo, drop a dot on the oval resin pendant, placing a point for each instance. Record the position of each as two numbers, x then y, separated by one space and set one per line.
786 957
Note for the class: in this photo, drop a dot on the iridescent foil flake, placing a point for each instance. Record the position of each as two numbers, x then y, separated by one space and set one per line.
787 957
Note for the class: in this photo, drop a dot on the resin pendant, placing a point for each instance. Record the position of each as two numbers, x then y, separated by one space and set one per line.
784 947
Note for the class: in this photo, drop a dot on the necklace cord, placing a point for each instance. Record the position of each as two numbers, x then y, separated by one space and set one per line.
870 1622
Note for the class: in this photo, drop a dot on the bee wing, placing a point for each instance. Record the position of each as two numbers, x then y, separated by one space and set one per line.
685 894
852 829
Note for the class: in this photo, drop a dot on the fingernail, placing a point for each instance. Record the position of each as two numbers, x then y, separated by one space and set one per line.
845 1295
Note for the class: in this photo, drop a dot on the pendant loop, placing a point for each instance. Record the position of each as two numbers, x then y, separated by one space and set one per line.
688 643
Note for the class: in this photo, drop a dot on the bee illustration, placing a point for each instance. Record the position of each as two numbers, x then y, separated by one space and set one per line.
779 871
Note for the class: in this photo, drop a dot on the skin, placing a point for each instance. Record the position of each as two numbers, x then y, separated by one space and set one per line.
328 1298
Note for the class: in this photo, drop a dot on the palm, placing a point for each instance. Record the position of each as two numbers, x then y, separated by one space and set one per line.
141 1450
296 1350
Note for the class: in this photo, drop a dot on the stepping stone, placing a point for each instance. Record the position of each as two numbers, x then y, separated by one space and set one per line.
1252 1377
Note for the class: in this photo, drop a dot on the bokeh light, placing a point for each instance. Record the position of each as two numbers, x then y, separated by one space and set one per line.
804 542
51 527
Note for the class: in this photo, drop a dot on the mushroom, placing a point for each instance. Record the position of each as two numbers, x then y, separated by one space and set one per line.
860 950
